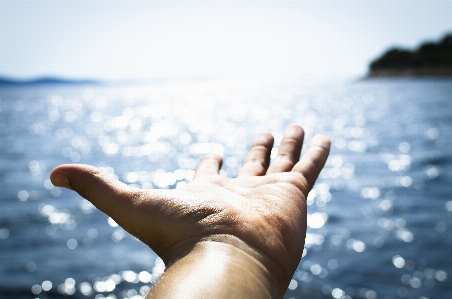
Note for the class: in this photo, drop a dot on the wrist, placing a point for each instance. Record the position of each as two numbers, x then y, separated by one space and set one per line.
226 268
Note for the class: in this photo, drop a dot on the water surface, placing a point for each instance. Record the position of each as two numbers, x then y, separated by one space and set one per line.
380 215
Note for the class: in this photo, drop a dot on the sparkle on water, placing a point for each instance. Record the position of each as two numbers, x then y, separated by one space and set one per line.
366 236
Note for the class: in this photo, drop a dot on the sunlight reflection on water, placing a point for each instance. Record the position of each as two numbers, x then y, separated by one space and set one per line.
386 155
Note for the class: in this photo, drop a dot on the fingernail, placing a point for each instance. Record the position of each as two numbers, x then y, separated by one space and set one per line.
60 180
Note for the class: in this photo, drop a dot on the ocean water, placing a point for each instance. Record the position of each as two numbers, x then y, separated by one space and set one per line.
380 215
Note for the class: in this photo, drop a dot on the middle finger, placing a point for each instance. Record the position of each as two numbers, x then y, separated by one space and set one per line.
289 150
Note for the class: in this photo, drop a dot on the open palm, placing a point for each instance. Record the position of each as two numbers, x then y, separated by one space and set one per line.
262 211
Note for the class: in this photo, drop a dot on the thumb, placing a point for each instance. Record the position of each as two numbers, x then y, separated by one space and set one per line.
105 192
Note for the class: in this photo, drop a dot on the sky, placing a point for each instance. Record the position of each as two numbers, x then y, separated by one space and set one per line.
116 40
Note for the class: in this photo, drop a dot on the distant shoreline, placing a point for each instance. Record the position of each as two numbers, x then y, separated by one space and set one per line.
410 73
45 81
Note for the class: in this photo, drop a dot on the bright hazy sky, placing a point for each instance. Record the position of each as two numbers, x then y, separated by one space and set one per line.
214 39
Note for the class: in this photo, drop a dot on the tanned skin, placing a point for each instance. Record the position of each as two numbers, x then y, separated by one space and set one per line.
219 237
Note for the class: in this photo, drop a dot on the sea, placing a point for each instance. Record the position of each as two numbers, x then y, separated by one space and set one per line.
379 216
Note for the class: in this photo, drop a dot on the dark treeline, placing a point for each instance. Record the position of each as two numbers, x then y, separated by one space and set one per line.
430 59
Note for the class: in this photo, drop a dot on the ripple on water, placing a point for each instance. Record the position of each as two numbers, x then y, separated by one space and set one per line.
387 173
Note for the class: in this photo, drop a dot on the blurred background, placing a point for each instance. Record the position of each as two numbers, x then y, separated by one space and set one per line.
116 40
143 89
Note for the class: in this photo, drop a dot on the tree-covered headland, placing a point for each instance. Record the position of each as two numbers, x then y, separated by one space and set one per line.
430 59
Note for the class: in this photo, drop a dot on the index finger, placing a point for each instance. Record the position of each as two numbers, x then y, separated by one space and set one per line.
313 159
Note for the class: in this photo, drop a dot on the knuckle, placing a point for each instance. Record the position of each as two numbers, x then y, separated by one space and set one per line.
283 162
259 161
258 148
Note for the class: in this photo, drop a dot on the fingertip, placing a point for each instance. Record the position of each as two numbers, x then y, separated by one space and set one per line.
320 140
264 138
295 128
60 180
62 174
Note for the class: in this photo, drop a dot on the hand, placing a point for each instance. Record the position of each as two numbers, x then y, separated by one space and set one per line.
258 218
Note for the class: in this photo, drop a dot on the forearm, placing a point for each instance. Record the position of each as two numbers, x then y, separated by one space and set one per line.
217 270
